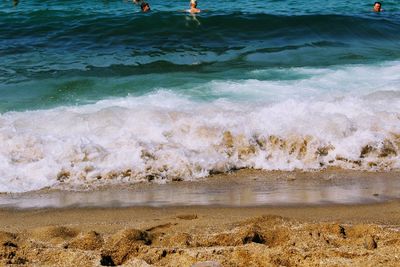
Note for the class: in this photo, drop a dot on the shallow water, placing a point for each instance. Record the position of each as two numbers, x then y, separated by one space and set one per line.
245 188
98 93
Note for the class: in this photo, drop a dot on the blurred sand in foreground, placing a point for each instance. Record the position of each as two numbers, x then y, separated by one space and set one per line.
338 235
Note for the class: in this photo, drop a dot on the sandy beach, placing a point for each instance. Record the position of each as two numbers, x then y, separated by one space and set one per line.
361 235
278 234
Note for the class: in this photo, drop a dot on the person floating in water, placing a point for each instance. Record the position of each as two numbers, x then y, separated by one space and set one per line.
145 7
377 7
193 7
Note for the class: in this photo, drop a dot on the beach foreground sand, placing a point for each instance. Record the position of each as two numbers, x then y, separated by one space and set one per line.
328 235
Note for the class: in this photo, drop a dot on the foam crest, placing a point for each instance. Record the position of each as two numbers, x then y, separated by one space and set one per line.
163 137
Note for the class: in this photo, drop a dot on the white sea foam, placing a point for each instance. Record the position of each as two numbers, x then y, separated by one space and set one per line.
323 120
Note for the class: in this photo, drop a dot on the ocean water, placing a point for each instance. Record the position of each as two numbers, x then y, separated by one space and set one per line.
95 92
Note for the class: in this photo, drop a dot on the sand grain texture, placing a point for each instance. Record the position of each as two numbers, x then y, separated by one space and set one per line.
203 236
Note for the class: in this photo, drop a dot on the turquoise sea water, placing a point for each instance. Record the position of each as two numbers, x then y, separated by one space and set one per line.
72 52
95 89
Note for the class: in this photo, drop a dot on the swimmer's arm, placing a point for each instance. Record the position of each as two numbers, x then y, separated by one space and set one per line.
188 11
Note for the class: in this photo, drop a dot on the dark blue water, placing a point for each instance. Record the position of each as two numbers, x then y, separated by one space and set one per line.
52 53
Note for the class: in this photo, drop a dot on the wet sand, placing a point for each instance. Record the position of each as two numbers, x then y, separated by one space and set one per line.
244 188
365 233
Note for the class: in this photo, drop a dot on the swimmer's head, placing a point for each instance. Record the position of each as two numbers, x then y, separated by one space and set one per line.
377 6
193 3
145 7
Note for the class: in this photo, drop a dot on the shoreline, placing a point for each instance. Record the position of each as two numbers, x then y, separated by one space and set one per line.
243 188
302 233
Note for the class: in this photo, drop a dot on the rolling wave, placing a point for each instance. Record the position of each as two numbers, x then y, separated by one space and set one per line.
168 29
334 118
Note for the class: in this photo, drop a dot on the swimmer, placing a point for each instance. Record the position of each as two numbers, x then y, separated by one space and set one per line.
193 7
377 7
145 7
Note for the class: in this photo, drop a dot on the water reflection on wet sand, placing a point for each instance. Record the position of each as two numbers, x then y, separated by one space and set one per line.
242 188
